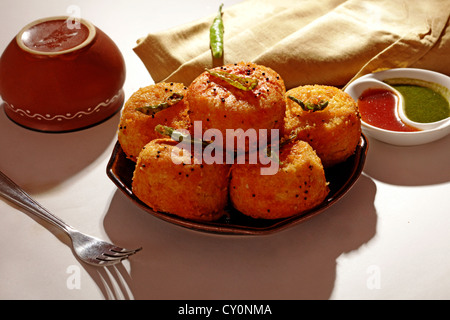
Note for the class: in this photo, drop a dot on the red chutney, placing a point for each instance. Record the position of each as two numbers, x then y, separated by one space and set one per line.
55 36
377 107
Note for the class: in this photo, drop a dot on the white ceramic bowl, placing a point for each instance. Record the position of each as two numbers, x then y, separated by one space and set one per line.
429 132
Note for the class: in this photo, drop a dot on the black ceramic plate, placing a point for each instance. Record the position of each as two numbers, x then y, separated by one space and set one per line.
341 178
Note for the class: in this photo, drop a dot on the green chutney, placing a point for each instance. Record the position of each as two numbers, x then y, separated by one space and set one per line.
424 101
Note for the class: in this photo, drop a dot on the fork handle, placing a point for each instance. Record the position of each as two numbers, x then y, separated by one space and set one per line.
11 191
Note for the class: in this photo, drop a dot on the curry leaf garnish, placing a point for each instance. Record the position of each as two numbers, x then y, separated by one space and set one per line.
310 106
178 135
151 110
243 83
275 155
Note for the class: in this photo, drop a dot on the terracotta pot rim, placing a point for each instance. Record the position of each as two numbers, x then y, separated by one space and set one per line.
91 28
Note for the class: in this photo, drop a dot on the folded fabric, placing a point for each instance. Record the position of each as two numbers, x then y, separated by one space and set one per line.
308 42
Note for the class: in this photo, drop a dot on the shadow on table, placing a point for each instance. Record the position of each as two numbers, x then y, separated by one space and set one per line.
409 166
113 281
38 161
297 263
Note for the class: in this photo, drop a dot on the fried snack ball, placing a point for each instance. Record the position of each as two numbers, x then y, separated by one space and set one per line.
220 105
333 132
136 128
169 179
298 185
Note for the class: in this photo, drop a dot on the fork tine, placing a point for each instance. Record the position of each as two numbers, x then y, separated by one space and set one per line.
116 254
105 263
106 260
124 251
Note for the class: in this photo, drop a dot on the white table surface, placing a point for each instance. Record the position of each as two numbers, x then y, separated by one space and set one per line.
388 238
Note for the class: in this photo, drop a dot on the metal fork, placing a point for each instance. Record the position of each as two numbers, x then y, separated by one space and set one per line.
89 249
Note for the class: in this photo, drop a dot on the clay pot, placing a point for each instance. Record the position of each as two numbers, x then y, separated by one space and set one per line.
60 75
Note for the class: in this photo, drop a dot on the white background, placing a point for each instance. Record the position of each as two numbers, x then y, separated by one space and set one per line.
388 238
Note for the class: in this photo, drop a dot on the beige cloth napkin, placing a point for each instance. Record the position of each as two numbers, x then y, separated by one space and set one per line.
308 42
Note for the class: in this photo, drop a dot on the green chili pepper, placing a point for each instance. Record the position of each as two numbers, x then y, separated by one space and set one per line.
239 82
216 35
310 106
151 110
